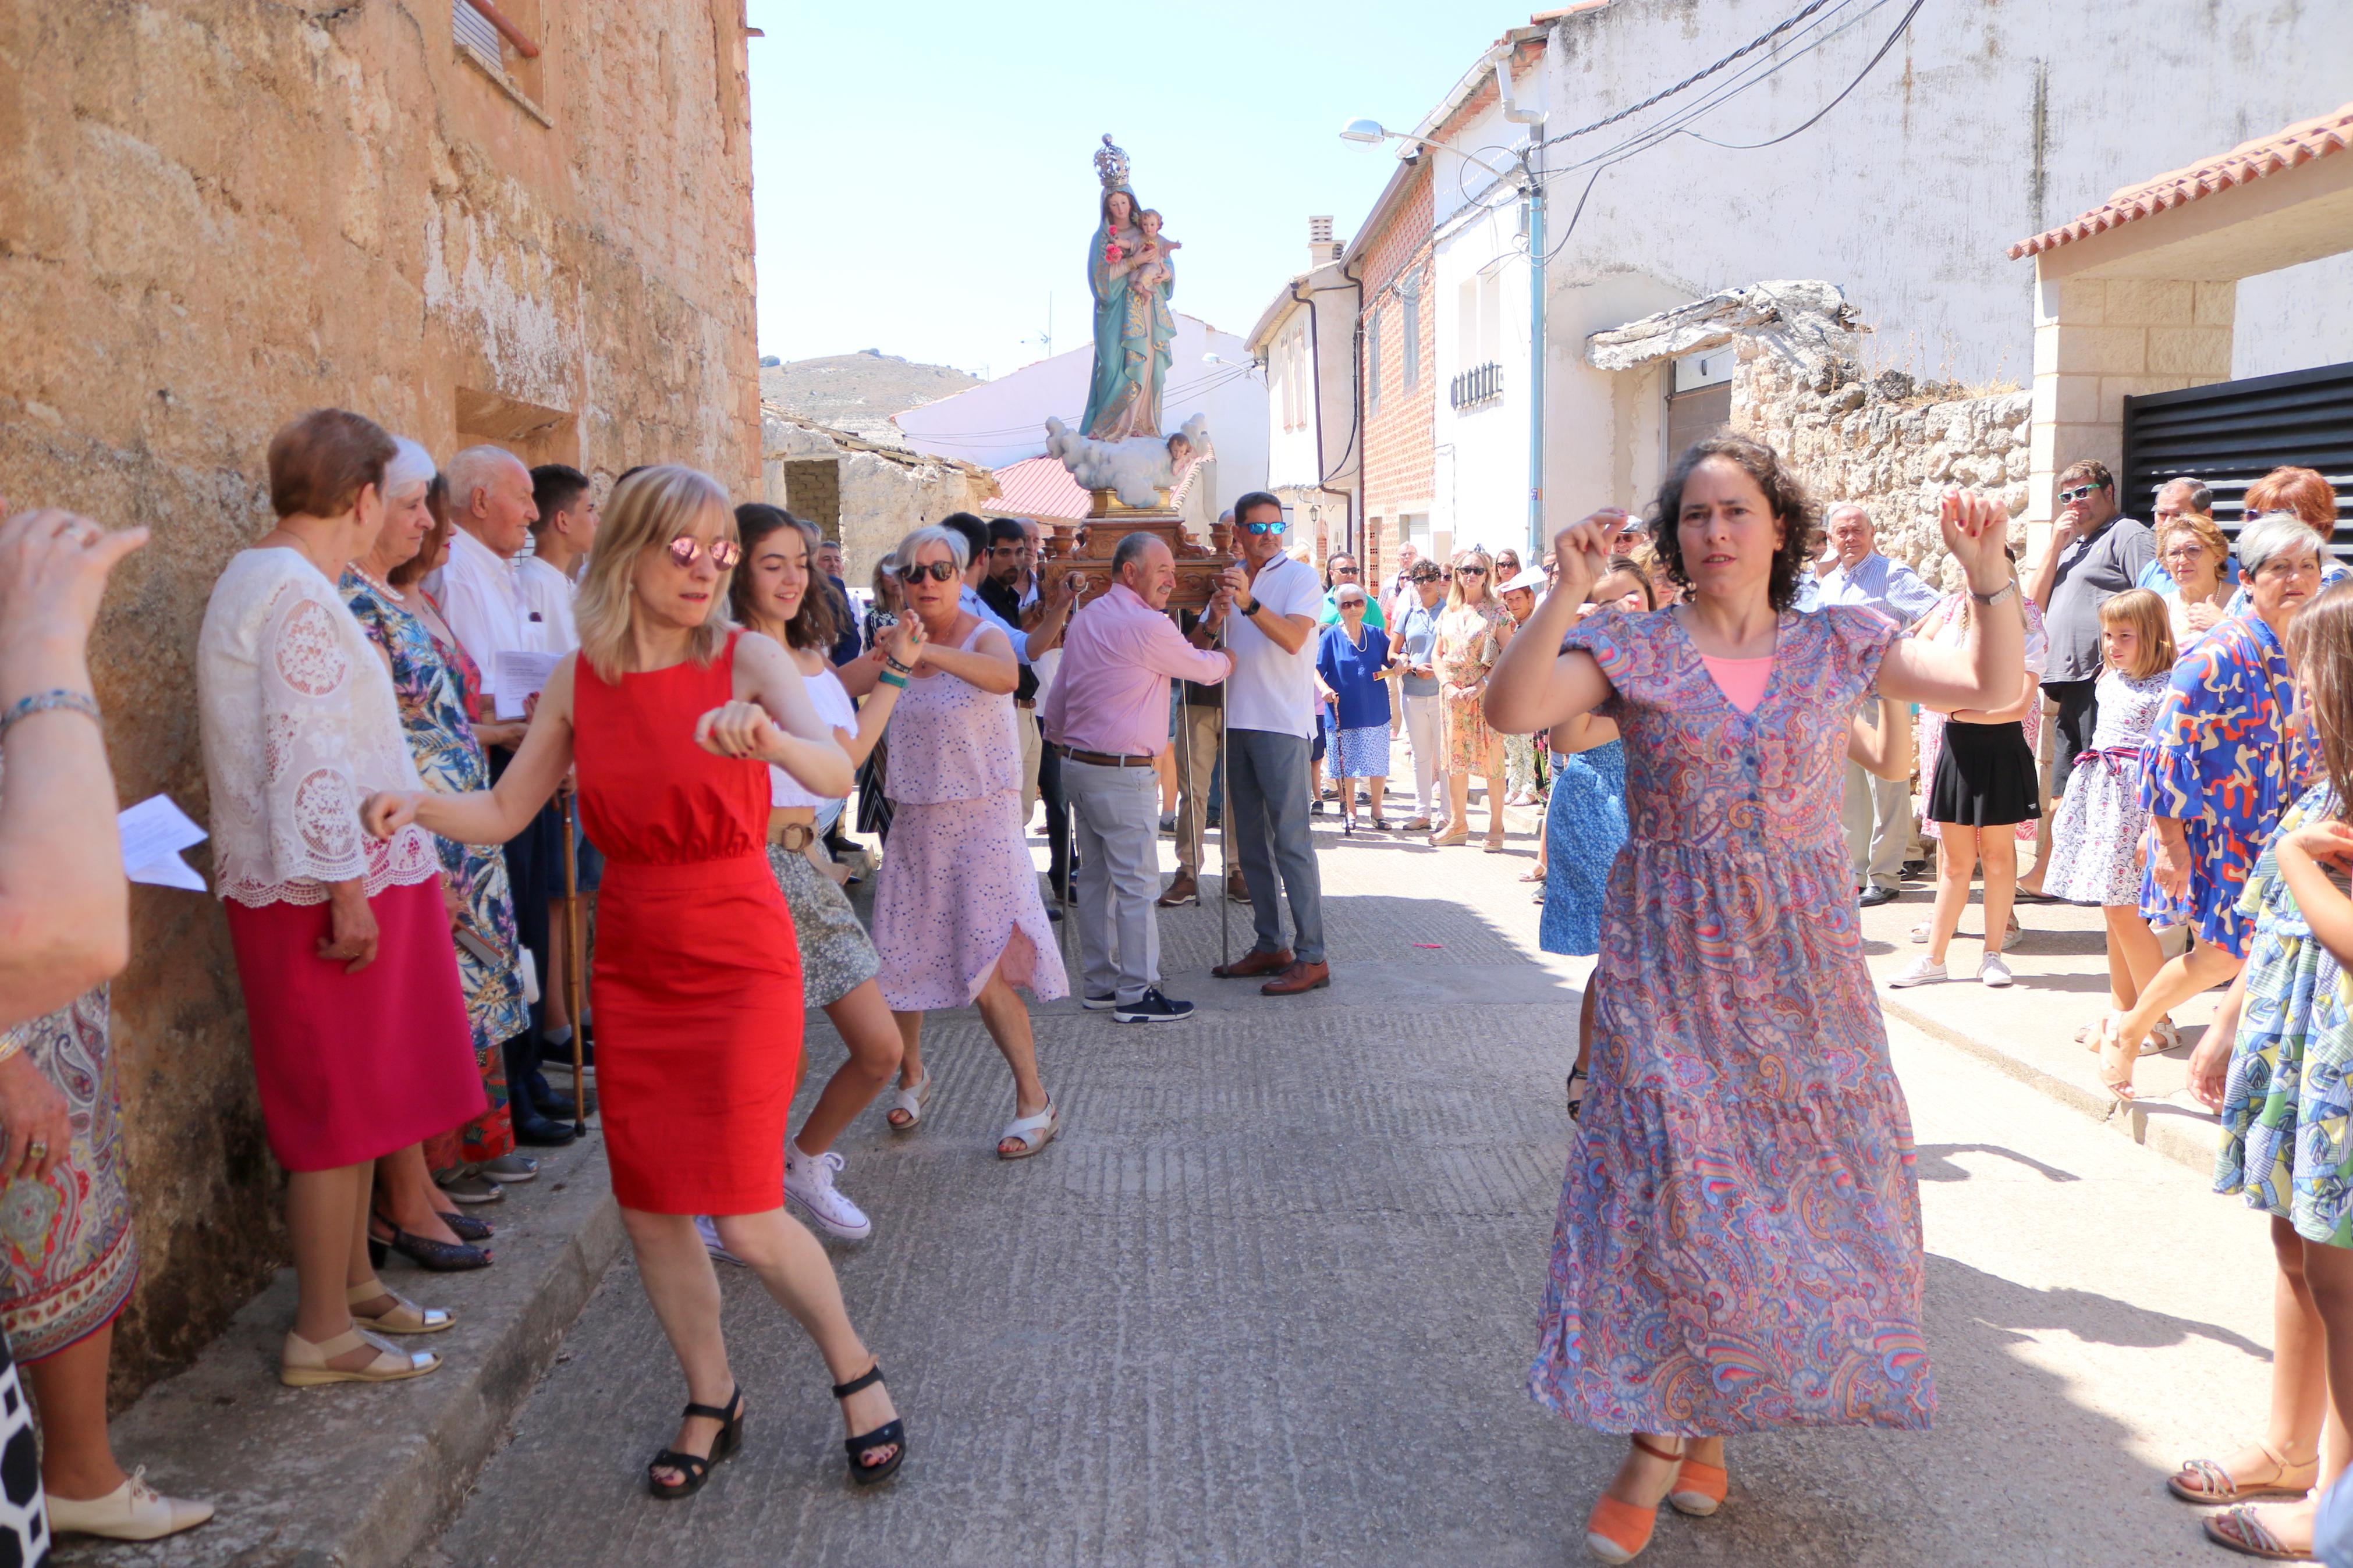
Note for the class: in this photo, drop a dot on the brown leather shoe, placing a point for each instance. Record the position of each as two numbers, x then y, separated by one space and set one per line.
1298 978
1236 889
1251 965
1182 891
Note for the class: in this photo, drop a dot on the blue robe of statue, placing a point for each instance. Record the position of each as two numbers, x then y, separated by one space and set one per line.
1134 334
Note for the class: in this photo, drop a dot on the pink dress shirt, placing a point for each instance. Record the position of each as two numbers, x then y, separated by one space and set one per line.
1112 692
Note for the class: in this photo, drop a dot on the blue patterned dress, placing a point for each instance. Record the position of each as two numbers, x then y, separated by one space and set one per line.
449 759
2285 1143
1739 1246
2221 761
1584 823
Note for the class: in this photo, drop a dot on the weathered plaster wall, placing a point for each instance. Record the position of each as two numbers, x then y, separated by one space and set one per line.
218 213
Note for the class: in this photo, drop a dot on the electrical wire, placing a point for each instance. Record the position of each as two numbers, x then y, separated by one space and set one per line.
1701 75
1833 103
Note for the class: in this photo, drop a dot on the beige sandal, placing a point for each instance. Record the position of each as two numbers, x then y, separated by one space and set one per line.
302 1364
402 1317
2206 1483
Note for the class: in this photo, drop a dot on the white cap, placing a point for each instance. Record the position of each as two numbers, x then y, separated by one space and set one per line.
1533 579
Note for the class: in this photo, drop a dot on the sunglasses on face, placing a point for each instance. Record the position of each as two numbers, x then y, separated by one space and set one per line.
1277 526
723 552
1352 604
1470 571
2070 497
1425 576
1344 571
938 571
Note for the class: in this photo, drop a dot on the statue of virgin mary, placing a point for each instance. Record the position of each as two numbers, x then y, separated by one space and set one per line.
1134 331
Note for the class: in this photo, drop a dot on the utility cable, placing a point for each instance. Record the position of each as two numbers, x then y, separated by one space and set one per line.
1750 47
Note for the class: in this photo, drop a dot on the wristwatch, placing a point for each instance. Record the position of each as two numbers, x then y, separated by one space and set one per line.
1247 610
2007 590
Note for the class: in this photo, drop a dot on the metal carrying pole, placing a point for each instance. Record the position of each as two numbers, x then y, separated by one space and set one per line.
573 953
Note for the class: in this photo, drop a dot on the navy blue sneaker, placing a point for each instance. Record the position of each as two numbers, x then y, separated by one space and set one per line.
1151 1008
1102 1004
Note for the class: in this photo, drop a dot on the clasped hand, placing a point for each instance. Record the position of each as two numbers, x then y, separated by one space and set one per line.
738 729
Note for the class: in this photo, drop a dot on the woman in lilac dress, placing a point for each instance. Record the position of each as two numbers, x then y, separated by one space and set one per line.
1738 1244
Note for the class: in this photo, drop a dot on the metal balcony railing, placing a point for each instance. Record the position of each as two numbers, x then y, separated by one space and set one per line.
1481 384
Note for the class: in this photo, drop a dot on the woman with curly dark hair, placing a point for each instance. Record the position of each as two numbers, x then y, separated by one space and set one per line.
1738 1244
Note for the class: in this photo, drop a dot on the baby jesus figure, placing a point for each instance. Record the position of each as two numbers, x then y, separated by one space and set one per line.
1151 269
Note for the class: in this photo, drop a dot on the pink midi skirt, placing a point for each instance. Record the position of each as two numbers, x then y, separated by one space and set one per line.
355 1066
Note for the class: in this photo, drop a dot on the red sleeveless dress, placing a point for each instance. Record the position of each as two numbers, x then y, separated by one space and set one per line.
697 980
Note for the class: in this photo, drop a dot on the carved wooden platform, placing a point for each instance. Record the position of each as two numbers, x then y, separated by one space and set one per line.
1086 548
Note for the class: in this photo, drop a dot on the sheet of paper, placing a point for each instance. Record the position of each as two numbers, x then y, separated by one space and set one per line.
518 676
154 833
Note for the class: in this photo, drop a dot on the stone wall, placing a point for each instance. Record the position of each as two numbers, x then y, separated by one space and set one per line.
218 213
1894 447
884 494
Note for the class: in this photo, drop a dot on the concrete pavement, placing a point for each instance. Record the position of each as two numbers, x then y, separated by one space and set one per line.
1271 1299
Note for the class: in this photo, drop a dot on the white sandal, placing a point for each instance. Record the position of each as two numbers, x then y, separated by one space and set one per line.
1032 1133
910 1100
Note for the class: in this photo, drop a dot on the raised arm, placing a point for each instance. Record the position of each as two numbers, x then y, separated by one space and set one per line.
1983 673
904 642
2301 856
772 718
989 664
1532 686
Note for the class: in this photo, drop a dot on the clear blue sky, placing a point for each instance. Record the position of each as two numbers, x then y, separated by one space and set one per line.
922 174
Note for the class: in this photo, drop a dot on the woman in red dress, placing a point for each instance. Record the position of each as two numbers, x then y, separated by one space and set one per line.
674 717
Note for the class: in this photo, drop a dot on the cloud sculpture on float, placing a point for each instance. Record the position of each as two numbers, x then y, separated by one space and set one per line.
1138 468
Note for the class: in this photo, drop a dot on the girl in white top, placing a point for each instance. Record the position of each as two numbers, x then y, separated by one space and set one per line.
772 594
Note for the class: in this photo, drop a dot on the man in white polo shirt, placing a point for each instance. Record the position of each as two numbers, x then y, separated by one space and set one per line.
1269 721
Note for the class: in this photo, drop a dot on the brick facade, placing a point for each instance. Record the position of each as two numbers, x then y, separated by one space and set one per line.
1401 469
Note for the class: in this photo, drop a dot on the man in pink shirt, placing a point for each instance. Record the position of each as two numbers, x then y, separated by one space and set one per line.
1106 717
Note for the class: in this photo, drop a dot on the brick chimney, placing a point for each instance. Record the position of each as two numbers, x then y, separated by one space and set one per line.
1321 246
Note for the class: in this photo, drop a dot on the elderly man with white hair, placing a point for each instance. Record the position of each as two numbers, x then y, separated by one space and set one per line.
1107 718
1876 812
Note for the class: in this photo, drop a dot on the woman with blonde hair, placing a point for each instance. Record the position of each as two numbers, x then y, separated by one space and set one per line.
958 917
2197 586
1471 635
673 717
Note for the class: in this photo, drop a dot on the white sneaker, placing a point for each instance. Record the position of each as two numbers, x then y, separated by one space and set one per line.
1992 971
1921 971
131 1512
809 1181
710 1234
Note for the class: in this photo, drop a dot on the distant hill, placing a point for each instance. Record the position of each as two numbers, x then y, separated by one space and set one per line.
860 392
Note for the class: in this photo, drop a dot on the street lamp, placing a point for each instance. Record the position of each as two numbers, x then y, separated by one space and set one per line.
1522 173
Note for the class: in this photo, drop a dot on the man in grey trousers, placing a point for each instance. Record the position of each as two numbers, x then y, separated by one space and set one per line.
1269 723
1106 717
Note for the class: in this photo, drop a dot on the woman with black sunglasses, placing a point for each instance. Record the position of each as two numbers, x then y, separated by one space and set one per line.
1471 635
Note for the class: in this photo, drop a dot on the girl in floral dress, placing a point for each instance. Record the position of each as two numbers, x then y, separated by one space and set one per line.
1738 1244
2095 842
1471 635
2280 1082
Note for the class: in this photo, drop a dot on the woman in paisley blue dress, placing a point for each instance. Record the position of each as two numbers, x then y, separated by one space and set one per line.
2223 762
381 590
2279 1082
1738 1244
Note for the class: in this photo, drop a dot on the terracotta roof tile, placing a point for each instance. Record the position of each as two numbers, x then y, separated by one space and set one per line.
2298 144
1039 487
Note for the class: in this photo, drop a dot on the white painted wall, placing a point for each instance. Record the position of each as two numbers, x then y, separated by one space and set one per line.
1004 421
1290 457
1908 193
1483 480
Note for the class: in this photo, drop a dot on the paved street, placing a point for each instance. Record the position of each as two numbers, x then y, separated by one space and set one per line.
1271 1299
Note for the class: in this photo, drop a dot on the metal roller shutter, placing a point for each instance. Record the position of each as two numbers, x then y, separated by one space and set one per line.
2233 433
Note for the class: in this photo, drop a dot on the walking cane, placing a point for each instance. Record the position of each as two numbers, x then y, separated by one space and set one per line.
572 956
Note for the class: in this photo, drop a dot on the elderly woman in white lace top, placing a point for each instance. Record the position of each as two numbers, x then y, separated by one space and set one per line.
361 1045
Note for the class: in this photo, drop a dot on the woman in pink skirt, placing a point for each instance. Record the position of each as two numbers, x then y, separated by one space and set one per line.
957 919
361 1045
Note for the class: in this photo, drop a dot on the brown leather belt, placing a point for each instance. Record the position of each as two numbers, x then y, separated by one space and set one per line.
1102 759
1025 703
792 836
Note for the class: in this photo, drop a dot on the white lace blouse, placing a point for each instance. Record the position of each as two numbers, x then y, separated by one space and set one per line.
300 726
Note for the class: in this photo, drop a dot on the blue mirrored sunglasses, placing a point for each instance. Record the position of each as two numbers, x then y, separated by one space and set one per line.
1275 527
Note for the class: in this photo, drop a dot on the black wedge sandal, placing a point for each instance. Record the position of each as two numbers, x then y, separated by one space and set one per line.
892 1434
696 1468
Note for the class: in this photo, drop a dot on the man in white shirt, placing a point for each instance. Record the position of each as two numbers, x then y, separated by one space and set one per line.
491 504
561 539
1876 812
1270 725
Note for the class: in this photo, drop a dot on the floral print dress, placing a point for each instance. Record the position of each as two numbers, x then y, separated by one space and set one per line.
2286 1109
434 718
1469 641
1738 1245
2223 760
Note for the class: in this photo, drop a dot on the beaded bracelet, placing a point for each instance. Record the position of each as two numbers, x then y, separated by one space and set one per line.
892 660
887 679
44 702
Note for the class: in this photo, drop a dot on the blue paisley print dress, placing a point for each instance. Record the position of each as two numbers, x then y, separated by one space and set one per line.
1585 821
2223 761
1739 1246
433 718
2287 1144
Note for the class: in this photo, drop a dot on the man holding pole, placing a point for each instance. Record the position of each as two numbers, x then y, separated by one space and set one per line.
1269 723
1106 717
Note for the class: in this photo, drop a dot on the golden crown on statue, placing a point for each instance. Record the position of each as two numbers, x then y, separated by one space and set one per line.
1111 165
